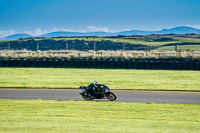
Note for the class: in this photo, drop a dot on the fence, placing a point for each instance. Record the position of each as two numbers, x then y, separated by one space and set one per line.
162 64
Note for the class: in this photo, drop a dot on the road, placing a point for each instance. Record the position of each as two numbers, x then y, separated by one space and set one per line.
122 96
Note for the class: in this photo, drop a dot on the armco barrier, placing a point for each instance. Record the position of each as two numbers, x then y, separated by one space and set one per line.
34 63
46 63
197 65
161 64
15 63
53 63
130 64
136 64
28 63
192 65
148 65
142 64
8 63
154 64
118 64
173 65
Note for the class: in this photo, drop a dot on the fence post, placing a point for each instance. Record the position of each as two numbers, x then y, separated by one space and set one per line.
37 46
124 47
94 46
9 46
66 46
176 47
149 47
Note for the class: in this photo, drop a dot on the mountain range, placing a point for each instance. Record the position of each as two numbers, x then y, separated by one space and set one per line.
176 30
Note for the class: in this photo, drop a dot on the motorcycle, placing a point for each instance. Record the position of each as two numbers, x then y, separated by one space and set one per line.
105 93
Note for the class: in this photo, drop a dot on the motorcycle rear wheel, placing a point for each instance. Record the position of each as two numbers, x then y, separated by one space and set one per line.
111 96
86 98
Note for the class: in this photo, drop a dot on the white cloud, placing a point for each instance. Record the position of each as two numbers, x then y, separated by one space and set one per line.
37 32
4 33
158 29
95 28
87 29
61 29
125 30
194 26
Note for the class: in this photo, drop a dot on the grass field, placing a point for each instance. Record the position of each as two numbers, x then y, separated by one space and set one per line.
181 47
5 40
115 78
135 41
191 40
143 42
131 41
85 116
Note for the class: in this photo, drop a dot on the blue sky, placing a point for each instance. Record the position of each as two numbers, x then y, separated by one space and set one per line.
37 17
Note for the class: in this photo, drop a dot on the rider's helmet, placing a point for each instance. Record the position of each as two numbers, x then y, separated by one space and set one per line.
96 83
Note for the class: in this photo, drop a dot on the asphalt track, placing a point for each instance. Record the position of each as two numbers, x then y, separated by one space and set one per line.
178 97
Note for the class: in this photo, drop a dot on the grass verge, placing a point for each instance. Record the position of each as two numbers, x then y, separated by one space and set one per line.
86 116
115 78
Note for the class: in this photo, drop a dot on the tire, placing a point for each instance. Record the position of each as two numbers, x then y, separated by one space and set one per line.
86 98
111 96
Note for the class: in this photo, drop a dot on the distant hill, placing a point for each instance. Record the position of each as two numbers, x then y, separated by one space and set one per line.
134 32
69 34
100 34
62 33
16 36
176 30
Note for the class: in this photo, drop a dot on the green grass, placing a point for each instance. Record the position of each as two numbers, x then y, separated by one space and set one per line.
96 117
115 78
135 41
189 40
143 42
5 40
131 41
81 38
180 47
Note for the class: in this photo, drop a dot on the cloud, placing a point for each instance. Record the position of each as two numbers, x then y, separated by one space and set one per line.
4 33
158 29
87 29
125 30
39 31
194 26
95 29
36 32
61 29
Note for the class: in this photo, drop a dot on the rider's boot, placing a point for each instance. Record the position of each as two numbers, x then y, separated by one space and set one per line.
91 97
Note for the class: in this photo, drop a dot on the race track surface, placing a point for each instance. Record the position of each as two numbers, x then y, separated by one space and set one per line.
122 96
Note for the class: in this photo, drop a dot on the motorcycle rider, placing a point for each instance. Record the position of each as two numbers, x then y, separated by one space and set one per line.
95 88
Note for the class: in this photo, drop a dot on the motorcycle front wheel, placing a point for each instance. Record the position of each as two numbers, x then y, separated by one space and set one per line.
111 96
